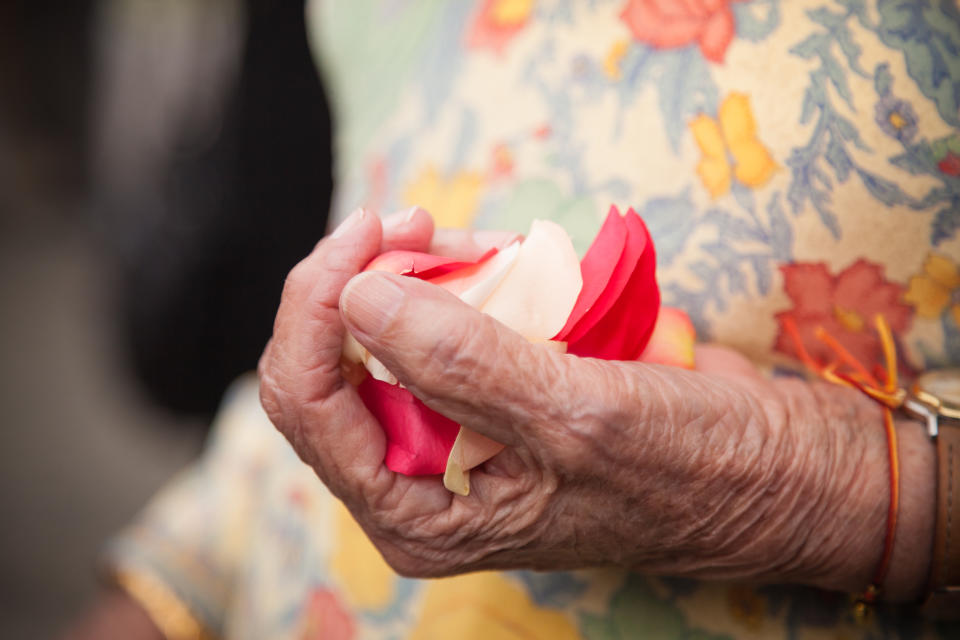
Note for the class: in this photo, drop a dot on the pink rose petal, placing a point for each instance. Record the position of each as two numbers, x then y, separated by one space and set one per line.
418 438
615 283
622 333
597 268
672 340
420 265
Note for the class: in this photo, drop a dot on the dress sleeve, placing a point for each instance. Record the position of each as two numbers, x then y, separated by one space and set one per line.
180 557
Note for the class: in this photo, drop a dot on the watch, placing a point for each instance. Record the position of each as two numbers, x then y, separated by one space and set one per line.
935 398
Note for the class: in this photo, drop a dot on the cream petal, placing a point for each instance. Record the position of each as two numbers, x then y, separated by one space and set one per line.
540 291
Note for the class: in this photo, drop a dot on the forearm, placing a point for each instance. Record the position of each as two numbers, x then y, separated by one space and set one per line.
750 479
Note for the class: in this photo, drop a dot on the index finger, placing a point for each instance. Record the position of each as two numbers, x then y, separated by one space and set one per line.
301 386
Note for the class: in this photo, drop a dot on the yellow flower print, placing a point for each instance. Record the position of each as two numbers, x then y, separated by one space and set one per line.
746 606
508 13
611 63
487 606
735 131
936 289
367 581
452 201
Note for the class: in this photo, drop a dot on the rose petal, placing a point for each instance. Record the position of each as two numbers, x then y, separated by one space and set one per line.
469 450
622 333
419 439
475 449
672 340
420 265
597 268
475 284
425 267
537 296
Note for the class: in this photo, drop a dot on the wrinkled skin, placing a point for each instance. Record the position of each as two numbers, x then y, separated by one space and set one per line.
711 473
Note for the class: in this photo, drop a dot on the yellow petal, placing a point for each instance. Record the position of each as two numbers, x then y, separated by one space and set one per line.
713 169
850 319
736 119
510 13
753 163
611 63
715 175
927 296
942 270
707 134
955 312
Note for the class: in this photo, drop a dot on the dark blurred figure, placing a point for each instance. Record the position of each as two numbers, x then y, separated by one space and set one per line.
213 171
44 94
162 166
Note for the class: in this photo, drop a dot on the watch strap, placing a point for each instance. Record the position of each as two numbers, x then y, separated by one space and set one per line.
945 570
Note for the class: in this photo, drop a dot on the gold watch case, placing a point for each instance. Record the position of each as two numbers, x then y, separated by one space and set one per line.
935 396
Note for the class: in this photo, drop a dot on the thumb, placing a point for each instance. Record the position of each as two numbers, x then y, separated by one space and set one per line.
458 361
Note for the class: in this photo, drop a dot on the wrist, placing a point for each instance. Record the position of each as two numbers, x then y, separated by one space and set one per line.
855 519
912 551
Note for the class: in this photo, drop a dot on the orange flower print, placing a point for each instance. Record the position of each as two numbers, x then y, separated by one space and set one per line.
501 162
325 618
844 305
497 22
668 24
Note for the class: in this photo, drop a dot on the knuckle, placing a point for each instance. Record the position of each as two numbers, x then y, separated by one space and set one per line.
457 356
589 406
297 279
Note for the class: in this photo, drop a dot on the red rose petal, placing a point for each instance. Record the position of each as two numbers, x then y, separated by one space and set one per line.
633 249
421 265
623 331
597 268
418 438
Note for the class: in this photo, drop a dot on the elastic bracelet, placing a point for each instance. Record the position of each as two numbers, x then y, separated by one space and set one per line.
847 371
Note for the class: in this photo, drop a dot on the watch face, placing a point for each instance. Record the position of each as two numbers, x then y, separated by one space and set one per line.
944 385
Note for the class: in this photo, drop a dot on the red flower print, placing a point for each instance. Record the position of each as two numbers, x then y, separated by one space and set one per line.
668 24
497 22
844 305
326 619
950 164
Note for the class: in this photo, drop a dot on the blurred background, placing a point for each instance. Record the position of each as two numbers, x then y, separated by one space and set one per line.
162 166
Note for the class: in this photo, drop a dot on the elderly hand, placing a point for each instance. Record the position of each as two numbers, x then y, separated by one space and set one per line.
713 473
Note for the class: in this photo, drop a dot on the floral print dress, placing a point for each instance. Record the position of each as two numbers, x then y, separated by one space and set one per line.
797 163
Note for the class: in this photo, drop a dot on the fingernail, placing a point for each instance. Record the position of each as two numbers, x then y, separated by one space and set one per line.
394 220
352 221
370 301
